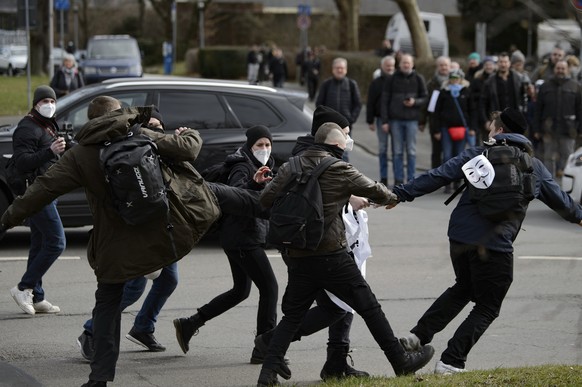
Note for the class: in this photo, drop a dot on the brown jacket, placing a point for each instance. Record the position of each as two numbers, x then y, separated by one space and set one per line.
116 251
337 183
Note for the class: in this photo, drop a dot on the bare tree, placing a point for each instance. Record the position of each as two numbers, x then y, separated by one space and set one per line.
39 47
349 23
417 29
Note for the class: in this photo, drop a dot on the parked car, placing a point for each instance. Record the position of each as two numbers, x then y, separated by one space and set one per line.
111 56
220 110
572 178
13 59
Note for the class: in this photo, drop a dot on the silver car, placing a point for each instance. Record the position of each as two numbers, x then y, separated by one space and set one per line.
13 59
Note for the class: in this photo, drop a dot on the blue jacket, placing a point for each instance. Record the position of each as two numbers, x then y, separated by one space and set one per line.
466 225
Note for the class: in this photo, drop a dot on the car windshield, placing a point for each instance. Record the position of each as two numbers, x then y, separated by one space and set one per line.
113 49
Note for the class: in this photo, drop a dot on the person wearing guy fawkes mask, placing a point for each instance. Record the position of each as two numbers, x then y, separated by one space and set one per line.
243 240
36 146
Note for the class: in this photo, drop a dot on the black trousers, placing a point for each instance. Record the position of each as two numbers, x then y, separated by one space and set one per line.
483 277
339 274
248 266
106 331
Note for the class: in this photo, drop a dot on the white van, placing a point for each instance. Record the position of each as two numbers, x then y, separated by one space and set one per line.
399 36
554 32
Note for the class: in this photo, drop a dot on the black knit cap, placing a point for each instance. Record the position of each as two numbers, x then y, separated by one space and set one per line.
325 114
257 132
43 92
157 115
514 120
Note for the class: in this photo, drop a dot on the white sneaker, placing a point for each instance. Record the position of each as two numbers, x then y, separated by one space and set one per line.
411 343
23 298
45 307
445 369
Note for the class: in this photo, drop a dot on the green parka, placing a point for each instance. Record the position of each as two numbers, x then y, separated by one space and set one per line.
116 251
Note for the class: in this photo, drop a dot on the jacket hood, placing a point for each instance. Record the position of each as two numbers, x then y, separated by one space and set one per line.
302 143
516 139
111 125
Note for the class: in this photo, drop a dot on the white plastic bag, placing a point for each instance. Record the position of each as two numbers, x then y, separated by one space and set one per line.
356 224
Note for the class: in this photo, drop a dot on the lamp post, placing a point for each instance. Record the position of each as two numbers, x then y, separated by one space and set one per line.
201 23
76 25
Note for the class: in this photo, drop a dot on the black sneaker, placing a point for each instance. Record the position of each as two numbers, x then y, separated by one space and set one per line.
185 329
260 350
85 342
268 378
146 340
410 362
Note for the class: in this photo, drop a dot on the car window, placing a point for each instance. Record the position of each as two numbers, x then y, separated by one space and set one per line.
113 48
252 111
77 116
195 110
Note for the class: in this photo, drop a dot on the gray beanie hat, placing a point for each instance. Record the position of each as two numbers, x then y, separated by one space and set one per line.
43 92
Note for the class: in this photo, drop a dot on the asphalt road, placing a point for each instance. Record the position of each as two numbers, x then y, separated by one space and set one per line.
540 322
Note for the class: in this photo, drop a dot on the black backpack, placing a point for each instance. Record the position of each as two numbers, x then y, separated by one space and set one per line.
297 214
132 170
513 186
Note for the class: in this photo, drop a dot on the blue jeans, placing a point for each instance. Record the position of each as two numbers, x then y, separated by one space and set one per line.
162 288
47 243
404 134
450 148
382 149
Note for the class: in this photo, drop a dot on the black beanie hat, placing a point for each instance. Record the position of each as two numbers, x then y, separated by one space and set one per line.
157 115
256 132
514 120
324 114
43 92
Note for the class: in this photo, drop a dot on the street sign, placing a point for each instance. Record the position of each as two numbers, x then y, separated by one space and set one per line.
62 5
304 9
303 22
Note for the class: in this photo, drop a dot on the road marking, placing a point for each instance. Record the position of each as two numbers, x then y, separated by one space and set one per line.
550 258
26 258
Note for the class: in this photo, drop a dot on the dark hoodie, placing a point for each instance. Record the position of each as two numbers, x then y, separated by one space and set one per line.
242 231
466 224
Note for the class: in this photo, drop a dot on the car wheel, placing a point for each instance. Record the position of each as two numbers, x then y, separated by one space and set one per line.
10 71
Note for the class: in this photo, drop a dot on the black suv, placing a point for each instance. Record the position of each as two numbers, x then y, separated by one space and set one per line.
220 110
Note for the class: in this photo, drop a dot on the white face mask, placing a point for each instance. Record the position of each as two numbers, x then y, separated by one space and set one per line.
479 172
47 110
262 155
349 143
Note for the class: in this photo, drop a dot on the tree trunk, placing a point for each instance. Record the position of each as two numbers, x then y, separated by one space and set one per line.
418 33
39 49
349 22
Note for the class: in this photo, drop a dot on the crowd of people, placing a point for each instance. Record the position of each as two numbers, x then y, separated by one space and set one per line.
497 101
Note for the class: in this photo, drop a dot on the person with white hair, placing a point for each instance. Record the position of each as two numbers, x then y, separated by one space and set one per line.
68 78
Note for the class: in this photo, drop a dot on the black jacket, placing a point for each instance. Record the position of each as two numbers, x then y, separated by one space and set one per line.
489 96
374 103
31 143
466 224
59 82
396 89
342 95
559 108
240 231
446 113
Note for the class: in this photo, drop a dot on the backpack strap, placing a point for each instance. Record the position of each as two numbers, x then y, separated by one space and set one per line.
325 163
457 192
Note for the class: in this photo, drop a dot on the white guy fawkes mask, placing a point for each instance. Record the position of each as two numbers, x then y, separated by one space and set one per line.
479 172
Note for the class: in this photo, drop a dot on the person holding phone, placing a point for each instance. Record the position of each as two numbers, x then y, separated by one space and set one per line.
403 97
